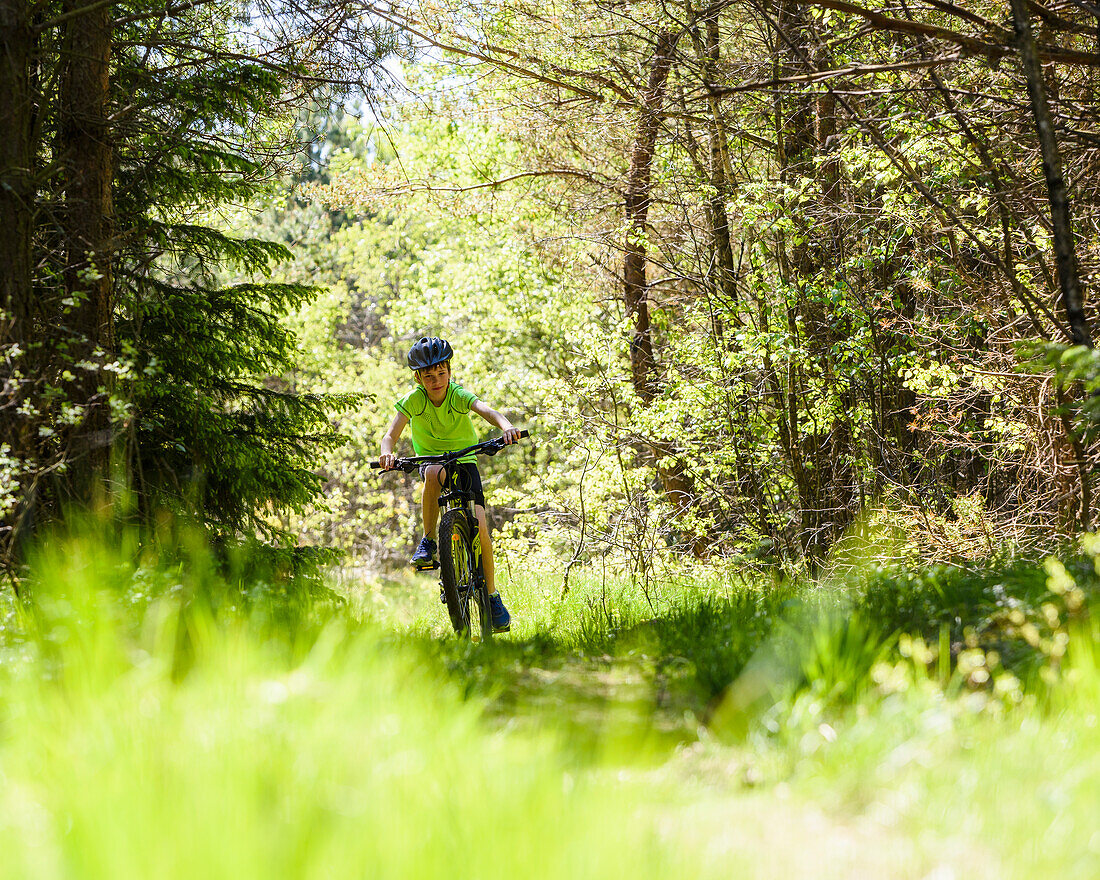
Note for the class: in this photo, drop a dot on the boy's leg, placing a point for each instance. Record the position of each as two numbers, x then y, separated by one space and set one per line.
434 475
502 620
425 556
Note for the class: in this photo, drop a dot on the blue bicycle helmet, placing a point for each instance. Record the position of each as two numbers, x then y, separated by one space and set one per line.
429 351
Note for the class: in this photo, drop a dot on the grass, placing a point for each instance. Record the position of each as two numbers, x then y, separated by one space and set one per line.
166 718
158 738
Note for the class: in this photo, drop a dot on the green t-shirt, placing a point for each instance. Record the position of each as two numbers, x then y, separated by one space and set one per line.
443 428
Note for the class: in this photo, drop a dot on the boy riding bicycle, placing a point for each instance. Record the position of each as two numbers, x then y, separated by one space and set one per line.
439 412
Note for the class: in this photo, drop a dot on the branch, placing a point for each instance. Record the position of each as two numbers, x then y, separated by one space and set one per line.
170 12
915 28
483 54
75 13
972 45
822 75
553 172
965 15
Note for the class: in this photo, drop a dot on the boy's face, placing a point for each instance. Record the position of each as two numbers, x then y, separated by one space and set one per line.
435 380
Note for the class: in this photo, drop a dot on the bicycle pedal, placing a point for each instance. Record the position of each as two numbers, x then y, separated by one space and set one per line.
425 566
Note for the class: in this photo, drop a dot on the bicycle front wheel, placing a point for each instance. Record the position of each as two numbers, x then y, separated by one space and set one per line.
458 569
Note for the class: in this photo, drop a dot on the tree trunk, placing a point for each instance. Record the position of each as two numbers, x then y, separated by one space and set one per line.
675 482
86 156
643 366
16 175
809 447
1065 250
723 272
17 201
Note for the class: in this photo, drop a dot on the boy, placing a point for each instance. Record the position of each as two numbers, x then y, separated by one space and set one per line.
439 412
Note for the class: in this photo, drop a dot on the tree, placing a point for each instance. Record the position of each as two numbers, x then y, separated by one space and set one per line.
17 190
84 152
157 345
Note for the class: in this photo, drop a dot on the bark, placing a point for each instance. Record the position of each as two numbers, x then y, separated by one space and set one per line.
17 198
86 155
808 447
675 482
16 175
724 272
1065 251
643 366
819 454
825 131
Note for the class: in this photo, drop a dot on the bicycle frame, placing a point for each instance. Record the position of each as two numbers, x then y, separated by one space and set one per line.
454 495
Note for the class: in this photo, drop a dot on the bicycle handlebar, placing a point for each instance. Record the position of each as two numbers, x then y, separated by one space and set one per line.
485 447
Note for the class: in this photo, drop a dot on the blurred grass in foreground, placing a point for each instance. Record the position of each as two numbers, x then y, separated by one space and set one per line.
146 733
161 716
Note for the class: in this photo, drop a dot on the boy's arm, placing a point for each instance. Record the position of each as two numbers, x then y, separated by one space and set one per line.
511 434
385 459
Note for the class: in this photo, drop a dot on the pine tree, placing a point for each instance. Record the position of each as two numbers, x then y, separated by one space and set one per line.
161 356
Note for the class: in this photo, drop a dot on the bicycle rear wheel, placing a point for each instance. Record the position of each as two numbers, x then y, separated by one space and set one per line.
467 603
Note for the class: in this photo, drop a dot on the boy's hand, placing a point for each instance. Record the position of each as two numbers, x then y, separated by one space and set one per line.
386 460
510 435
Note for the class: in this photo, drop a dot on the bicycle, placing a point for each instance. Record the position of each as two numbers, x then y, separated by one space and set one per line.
461 575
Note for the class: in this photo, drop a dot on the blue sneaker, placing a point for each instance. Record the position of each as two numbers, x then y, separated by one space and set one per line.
502 620
424 557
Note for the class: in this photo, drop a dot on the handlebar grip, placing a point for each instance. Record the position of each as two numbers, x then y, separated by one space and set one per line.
375 465
524 433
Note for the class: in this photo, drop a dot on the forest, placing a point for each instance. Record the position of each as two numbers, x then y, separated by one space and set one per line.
793 298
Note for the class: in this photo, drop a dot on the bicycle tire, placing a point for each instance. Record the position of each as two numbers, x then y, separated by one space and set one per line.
458 560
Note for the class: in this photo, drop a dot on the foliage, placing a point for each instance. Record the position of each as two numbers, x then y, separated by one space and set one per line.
838 269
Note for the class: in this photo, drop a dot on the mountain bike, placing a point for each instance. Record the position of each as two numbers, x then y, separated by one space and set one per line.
461 575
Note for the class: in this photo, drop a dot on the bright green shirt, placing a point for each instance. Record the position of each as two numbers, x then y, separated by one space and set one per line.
443 428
